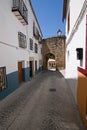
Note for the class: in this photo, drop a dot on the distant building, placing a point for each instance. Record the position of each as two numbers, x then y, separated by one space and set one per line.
51 64
75 14
20 50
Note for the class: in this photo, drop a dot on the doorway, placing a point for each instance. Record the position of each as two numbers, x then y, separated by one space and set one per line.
31 68
20 73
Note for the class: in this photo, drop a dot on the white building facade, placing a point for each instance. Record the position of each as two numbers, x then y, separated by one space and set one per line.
75 13
20 48
76 37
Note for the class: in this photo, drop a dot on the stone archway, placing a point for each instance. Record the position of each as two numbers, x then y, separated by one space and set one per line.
46 58
54 48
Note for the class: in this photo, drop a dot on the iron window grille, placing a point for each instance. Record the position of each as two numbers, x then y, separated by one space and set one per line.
36 48
22 40
40 62
19 6
2 78
79 53
35 32
35 65
41 50
40 39
31 44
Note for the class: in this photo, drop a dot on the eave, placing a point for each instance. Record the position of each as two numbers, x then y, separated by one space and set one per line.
64 9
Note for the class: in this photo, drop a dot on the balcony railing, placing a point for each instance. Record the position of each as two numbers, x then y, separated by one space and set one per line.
20 11
40 39
22 40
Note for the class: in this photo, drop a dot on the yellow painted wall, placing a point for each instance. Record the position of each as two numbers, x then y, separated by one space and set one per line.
82 96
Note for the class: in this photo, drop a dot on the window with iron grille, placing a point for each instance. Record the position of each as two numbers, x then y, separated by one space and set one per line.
40 62
31 44
22 40
68 23
2 78
36 48
19 8
35 32
35 65
41 50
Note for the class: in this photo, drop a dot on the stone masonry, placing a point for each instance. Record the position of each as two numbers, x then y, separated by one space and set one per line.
54 48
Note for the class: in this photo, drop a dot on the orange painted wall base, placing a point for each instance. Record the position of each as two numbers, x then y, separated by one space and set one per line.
82 96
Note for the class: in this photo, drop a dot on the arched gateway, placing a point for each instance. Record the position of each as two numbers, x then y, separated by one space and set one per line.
53 51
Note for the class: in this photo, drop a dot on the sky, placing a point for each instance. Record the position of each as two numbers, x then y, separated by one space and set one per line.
49 15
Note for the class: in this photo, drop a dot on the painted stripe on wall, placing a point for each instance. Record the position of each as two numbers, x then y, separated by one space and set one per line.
26 74
11 84
82 96
38 70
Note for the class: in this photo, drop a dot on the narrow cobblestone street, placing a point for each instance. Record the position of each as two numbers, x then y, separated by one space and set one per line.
44 103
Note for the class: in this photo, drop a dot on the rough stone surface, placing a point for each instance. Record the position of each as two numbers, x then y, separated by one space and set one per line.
44 103
54 46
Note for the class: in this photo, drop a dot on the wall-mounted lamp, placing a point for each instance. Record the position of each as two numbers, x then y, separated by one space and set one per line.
59 33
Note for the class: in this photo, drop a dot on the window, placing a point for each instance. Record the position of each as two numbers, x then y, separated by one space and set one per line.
68 23
2 78
36 48
68 54
35 65
41 50
22 40
40 39
35 32
31 44
40 62
20 10
80 55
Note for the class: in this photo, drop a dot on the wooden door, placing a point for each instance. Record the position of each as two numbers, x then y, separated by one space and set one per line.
20 73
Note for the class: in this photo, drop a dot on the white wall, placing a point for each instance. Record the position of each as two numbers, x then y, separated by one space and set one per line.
78 40
10 52
75 8
31 19
9 24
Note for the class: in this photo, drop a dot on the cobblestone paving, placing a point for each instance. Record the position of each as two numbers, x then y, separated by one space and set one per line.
44 103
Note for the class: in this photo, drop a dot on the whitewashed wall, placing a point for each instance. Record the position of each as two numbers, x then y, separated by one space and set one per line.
78 40
31 19
10 53
75 8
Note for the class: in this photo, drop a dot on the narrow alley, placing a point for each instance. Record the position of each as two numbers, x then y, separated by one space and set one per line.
44 103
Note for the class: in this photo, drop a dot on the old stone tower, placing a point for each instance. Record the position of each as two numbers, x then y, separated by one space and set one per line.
54 48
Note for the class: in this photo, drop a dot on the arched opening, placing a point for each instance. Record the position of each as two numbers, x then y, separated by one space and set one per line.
49 62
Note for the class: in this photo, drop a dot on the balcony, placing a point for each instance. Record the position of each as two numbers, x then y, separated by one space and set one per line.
20 11
22 40
40 39
36 32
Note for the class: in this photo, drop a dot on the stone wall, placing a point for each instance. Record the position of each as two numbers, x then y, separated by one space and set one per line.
54 46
